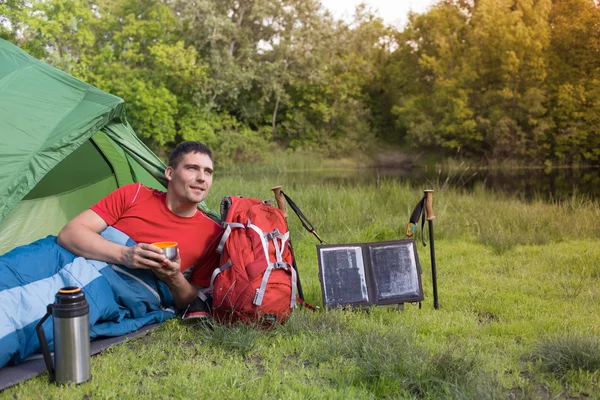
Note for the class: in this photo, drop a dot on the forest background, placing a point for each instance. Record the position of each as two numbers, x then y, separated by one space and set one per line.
490 80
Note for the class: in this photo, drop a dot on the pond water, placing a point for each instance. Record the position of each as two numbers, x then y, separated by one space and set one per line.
527 183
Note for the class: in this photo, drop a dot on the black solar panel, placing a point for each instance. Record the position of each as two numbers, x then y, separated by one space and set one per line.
367 274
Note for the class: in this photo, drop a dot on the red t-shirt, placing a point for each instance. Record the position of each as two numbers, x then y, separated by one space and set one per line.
142 214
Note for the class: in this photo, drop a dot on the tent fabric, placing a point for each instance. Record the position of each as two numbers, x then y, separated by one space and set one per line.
92 167
121 133
36 218
64 144
46 115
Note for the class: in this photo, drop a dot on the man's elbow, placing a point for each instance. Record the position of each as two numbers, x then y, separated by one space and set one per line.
60 239
185 299
183 303
63 237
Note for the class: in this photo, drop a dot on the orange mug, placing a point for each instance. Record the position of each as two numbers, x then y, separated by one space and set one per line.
169 249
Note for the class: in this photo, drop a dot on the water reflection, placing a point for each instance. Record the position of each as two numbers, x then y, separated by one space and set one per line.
527 183
547 184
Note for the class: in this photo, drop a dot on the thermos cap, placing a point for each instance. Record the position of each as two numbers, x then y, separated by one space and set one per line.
70 302
69 289
69 295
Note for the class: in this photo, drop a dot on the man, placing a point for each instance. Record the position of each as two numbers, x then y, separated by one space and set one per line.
149 216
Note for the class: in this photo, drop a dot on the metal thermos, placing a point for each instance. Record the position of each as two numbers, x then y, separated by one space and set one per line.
70 315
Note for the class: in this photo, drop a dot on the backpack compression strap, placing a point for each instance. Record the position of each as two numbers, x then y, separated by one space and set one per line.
217 271
279 244
227 233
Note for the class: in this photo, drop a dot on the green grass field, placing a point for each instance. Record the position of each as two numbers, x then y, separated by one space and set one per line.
519 289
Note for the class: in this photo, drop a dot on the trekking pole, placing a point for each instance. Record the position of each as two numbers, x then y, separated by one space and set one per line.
430 218
281 205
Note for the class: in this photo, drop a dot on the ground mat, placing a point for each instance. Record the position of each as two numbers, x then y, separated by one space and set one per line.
33 366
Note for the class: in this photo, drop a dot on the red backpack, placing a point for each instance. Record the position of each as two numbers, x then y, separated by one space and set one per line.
255 282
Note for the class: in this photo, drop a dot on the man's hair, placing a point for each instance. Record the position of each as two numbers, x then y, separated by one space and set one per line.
185 148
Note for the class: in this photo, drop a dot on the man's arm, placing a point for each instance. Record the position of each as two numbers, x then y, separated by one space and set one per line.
81 236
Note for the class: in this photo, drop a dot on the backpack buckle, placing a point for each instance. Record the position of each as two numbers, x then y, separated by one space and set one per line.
255 300
273 235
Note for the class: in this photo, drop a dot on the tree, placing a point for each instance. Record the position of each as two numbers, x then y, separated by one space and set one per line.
574 81
434 80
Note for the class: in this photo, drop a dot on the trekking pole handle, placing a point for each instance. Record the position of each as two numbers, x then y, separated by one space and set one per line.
280 200
429 204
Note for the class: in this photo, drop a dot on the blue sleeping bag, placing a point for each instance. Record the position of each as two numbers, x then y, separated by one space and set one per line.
121 299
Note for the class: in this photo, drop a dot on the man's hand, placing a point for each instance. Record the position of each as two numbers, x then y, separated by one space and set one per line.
170 273
143 256
168 270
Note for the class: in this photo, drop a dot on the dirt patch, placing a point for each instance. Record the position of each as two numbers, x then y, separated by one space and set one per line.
188 344
154 374
485 318
140 341
256 359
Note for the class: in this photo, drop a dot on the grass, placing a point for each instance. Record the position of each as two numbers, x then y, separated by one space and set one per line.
564 354
519 287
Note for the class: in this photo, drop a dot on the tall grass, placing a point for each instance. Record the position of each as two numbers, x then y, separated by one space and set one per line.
561 355
390 362
240 339
379 210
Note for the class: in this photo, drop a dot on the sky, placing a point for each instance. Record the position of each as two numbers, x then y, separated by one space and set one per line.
393 12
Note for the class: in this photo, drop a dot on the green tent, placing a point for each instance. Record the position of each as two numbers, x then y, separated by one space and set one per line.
64 144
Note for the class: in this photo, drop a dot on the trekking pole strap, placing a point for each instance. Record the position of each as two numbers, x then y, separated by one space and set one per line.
417 213
305 222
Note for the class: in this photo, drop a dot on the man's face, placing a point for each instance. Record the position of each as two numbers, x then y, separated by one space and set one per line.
191 180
